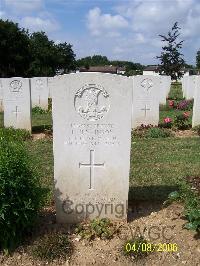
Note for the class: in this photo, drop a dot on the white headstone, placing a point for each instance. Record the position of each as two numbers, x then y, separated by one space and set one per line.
196 106
1 96
17 103
39 92
49 80
146 97
188 86
92 138
165 84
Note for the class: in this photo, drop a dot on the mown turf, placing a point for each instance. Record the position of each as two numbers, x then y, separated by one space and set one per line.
156 164
41 152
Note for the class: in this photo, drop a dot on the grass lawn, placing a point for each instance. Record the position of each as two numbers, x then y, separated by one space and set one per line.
156 164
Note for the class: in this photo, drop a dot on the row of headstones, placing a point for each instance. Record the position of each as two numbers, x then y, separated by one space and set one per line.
191 90
19 95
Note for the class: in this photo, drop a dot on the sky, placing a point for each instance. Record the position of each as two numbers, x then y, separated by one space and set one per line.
120 29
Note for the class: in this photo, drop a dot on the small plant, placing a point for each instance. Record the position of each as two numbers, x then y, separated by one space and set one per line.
136 248
156 132
167 122
102 228
11 134
181 121
191 202
21 196
171 103
140 132
52 246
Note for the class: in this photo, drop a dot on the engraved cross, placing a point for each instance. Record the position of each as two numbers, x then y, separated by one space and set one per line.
145 109
16 112
91 165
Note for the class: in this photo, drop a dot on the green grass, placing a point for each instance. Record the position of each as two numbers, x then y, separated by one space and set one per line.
156 164
41 152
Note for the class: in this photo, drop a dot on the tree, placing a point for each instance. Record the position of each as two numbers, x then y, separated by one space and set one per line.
65 57
171 60
95 60
198 59
14 50
44 55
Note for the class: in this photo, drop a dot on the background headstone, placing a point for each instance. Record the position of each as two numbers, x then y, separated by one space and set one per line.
17 103
1 96
39 92
91 141
188 86
49 80
165 84
146 98
196 106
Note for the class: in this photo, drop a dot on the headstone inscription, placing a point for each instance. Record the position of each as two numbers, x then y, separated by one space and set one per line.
92 138
17 103
145 103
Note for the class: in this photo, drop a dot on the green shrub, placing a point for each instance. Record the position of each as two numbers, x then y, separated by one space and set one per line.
11 134
181 121
21 196
156 132
52 246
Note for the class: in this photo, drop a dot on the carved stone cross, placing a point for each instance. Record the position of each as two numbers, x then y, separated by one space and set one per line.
91 165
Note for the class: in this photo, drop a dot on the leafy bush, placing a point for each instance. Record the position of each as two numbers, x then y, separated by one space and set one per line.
181 121
52 246
21 196
11 134
102 228
156 132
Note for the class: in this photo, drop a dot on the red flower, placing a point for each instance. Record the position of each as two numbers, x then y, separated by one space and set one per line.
186 114
167 120
171 103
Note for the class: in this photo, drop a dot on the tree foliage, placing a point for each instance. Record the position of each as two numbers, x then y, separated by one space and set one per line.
15 54
99 60
24 54
171 59
198 60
